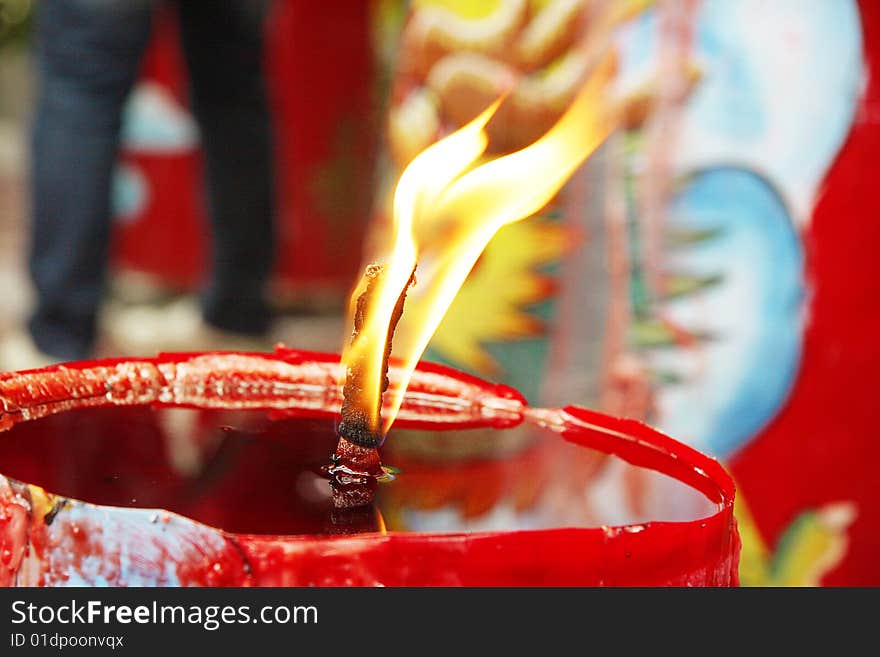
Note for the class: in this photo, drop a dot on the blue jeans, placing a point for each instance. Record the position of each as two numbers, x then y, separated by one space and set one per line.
88 56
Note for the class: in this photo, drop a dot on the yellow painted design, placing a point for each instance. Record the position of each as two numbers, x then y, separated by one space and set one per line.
41 501
811 546
492 304
464 8
482 8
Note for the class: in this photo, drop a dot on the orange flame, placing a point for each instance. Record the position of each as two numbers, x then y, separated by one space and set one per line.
446 211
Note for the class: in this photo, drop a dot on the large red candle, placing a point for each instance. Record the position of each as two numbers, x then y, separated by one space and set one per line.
49 540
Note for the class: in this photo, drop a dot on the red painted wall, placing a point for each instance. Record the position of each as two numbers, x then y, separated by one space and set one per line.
824 446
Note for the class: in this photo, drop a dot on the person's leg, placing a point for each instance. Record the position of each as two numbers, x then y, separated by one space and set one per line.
223 47
87 53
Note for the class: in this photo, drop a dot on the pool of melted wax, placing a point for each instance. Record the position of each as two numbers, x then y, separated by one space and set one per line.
236 470
245 472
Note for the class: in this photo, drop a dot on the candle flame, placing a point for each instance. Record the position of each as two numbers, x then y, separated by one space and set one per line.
445 212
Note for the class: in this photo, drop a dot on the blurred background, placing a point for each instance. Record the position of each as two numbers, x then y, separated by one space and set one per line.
710 271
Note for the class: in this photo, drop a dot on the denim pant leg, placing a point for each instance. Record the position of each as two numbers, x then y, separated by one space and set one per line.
87 55
223 48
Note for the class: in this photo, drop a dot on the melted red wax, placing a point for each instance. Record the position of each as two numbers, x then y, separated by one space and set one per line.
251 479
289 383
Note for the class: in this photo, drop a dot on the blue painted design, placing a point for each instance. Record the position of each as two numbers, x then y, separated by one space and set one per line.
779 84
745 370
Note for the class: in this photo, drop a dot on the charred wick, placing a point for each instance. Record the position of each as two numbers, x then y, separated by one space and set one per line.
356 466
356 423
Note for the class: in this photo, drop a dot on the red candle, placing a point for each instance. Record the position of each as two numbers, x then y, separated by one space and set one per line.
250 506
